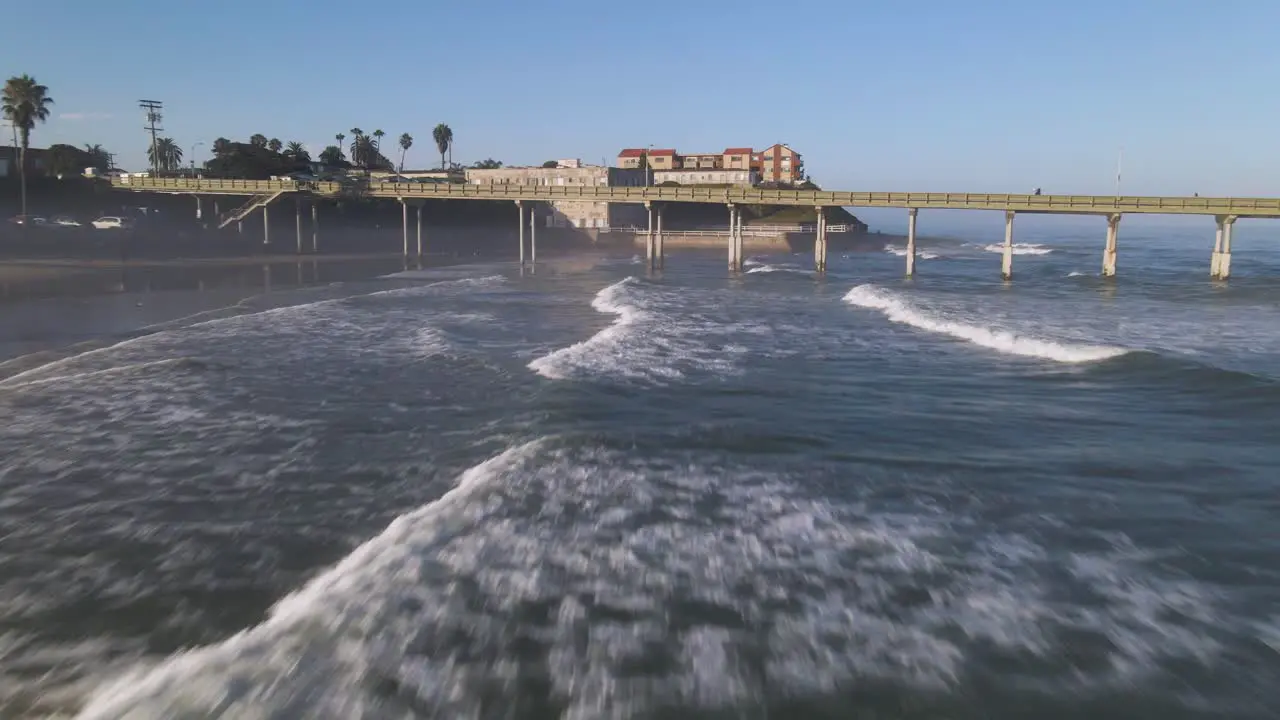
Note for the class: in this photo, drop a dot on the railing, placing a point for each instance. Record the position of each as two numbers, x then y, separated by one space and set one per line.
1094 204
747 230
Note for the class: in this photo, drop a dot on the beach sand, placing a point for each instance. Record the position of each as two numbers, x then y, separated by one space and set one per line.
49 308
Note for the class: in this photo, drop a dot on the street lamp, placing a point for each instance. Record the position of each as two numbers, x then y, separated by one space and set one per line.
192 156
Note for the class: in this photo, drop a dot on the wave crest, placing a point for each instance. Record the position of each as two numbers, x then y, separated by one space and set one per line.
898 309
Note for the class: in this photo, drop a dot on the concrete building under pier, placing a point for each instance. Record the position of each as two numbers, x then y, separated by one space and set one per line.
573 213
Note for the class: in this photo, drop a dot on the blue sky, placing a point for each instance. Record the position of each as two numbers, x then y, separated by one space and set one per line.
927 95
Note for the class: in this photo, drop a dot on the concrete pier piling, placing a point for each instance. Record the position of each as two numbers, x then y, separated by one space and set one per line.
520 224
533 234
1220 262
297 223
735 245
820 242
266 224
658 249
315 228
404 224
1006 263
420 229
1109 253
649 249
911 241
737 239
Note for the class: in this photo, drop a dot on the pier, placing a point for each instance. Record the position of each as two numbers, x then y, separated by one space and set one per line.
262 193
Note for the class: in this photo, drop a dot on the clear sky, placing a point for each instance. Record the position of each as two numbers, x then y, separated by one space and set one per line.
928 95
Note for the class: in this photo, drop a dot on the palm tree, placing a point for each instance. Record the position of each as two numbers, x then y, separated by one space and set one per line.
332 155
165 155
406 142
25 102
221 145
363 152
274 145
296 151
258 140
99 156
444 140
377 140
356 134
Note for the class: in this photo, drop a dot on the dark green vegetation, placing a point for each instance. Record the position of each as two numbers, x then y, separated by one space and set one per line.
24 103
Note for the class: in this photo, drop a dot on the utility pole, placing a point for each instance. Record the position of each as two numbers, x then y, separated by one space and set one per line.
153 108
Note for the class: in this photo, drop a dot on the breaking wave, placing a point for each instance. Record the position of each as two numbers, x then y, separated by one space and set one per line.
898 309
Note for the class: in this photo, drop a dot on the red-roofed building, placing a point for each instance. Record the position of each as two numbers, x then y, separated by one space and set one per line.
776 163
737 158
779 163
658 158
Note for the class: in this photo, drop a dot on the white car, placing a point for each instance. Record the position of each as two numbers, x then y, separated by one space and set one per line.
111 222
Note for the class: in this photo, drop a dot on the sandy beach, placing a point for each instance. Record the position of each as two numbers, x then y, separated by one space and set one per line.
52 307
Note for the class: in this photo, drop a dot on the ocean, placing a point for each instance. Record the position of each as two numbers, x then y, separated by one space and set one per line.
596 491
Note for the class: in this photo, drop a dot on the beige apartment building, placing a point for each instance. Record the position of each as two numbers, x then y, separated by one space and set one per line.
776 163
712 176
779 163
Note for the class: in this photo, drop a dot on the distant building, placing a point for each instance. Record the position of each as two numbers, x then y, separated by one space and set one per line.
36 161
777 163
569 163
711 176
737 158
702 161
574 213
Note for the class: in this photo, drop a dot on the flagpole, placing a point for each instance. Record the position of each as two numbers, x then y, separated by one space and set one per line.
1119 168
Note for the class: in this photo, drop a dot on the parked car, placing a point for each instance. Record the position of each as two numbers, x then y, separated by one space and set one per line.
113 222
31 220
65 221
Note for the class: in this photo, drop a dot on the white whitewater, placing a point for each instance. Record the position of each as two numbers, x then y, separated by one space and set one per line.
1019 249
652 338
898 309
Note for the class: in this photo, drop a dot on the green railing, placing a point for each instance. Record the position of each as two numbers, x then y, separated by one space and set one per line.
1094 204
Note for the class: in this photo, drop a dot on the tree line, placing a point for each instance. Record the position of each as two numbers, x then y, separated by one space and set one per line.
26 103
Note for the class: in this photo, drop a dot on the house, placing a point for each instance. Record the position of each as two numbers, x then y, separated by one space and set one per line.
658 158
779 163
702 161
36 161
737 158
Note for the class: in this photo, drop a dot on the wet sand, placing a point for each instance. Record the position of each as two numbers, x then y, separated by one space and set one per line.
51 307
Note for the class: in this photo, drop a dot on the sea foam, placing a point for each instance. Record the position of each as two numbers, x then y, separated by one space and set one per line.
652 338
898 309
1019 249
620 587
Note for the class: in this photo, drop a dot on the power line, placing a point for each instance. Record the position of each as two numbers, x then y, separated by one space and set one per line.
153 108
